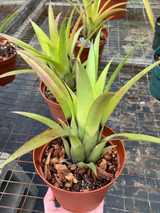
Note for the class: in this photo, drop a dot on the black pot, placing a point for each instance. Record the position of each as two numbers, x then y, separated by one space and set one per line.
156 40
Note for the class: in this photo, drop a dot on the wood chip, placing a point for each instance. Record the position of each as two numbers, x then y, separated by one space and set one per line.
80 170
46 172
85 190
69 184
73 167
58 180
107 156
53 161
101 174
71 177
103 164
60 175
61 167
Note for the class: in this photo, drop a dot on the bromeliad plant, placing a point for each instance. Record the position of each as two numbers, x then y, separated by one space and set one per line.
86 112
5 23
93 16
58 49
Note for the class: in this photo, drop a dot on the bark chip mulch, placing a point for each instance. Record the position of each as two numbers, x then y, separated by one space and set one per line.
69 177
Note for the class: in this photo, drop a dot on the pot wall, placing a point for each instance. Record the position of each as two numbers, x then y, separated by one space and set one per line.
155 78
156 40
85 52
55 108
116 15
81 201
6 66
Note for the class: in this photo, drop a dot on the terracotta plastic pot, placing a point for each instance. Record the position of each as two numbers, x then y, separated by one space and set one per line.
6 66
81 201
84 54
155 78
116 15
54 107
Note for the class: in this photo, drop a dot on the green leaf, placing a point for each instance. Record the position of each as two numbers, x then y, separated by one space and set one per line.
63 46
20 43
68 29
70 81
67 148
134 137
34 143
16 72
74 6
100 83
52 27
88 165
91 67
77 150
98 152
96 51
53 52
107 13
3 26
75 38
149 13
50 123
103 7
121 65
74 99
95 6
64 125
53 83
59 68
118 96
92 124
42 37
107 149
84 97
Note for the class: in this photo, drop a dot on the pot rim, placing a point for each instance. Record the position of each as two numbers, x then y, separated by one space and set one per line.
105 32
93 191
42 85
157 51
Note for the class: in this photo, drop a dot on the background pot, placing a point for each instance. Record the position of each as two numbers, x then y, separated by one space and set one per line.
54 107
6 66
81 201
84 54
116 15
156 40
155 78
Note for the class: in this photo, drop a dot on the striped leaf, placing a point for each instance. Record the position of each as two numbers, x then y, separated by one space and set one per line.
52 26
16 72
134 137
77 150
50 123
84 97
149 13
34 143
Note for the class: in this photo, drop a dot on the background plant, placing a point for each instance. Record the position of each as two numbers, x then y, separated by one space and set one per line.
58 49
149 13
86 112
93 16
5 23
